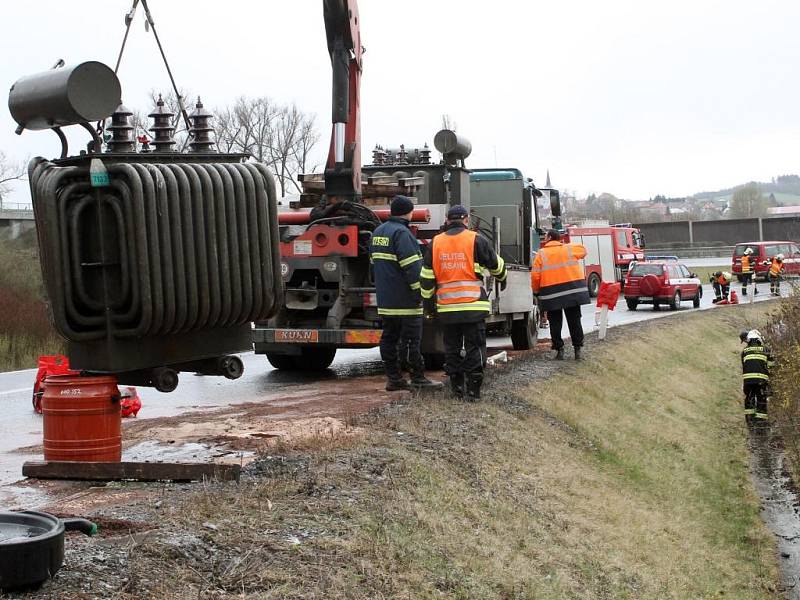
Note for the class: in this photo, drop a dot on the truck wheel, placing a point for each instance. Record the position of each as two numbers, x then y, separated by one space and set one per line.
315 359
632 303
524 332
433 361
675 301
594 285
281 361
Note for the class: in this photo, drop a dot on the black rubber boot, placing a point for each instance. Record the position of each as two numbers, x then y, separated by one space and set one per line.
420 382
396 385
457 385
578 351
474 382
559 354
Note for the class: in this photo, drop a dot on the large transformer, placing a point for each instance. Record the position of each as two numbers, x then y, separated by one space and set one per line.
154 262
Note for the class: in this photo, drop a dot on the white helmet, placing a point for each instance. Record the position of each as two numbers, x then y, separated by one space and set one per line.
748 251
779 256
726 275
754 335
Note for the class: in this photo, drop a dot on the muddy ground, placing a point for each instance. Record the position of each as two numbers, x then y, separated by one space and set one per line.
279 439
289 446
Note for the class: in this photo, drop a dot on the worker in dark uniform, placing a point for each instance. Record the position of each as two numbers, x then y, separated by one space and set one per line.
396 258
721 282
559 282
452 275
756 362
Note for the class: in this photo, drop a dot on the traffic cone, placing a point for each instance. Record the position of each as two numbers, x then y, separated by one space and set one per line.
734 297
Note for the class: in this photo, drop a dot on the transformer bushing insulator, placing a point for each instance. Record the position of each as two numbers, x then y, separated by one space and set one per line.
122 139
425 155
162 128
201 129
402 156
378 156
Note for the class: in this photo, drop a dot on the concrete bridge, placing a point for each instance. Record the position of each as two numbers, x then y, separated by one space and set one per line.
14 219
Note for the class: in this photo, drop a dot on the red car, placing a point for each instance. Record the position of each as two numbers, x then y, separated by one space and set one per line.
661 282
763 252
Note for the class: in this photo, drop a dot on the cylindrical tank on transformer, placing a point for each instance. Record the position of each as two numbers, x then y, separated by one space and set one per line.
89 91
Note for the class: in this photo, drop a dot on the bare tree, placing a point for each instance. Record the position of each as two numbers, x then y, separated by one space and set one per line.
9 171
282 136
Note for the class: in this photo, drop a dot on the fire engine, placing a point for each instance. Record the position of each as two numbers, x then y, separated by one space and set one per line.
609 251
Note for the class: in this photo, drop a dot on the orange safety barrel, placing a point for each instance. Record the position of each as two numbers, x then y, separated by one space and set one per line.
82 419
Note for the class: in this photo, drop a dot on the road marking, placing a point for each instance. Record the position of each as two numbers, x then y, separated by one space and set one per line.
17 391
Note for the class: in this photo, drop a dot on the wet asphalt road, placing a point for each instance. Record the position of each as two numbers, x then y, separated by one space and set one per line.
21 427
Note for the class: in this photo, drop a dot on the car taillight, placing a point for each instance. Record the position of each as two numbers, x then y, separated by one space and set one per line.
369 299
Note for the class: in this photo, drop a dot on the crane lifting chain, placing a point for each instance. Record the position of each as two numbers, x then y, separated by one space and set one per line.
150 24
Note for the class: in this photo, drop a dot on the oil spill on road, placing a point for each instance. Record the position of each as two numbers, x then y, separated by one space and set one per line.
779 505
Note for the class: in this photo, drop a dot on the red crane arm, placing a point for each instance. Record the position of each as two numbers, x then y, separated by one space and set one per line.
343 168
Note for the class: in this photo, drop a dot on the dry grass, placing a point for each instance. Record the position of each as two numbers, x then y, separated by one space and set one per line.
623 477
25 331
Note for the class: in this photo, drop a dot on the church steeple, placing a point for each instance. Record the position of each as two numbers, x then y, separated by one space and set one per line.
547 183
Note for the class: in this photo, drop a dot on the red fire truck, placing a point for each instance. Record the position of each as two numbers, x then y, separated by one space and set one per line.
609 251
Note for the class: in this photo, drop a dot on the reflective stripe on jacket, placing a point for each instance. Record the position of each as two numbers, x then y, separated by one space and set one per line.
396 262
557 276
756 362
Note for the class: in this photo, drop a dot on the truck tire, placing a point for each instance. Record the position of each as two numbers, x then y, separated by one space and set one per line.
284 362
433 361
632 303
524 332
315 359
594 285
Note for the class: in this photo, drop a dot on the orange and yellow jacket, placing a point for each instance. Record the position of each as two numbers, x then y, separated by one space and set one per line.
557 276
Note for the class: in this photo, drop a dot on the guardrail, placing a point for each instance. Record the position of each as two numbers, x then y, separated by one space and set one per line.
15 206
695 251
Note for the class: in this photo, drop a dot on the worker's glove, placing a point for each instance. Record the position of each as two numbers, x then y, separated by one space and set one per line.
504 284
429 308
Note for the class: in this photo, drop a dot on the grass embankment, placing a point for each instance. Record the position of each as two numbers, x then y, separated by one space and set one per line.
783 337
25 331
625 476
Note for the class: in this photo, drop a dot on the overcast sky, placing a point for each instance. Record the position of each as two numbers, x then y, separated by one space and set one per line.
632 97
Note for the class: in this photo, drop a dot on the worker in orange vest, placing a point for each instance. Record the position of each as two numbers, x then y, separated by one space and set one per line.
452 274
721 282
559 283
775 272
747 272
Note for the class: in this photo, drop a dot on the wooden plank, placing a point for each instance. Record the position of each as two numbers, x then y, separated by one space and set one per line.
137 471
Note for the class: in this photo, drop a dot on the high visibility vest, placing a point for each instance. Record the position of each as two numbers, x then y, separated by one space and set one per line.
722 280
746 266
459 281
775 267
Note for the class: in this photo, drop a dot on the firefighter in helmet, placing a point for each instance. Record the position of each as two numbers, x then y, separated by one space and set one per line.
756 362
775 274
721 281
748 270
452 286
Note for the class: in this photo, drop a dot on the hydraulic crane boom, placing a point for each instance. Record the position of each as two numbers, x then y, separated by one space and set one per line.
343 168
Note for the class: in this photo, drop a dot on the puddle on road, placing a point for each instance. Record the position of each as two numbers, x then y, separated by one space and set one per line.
778 505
